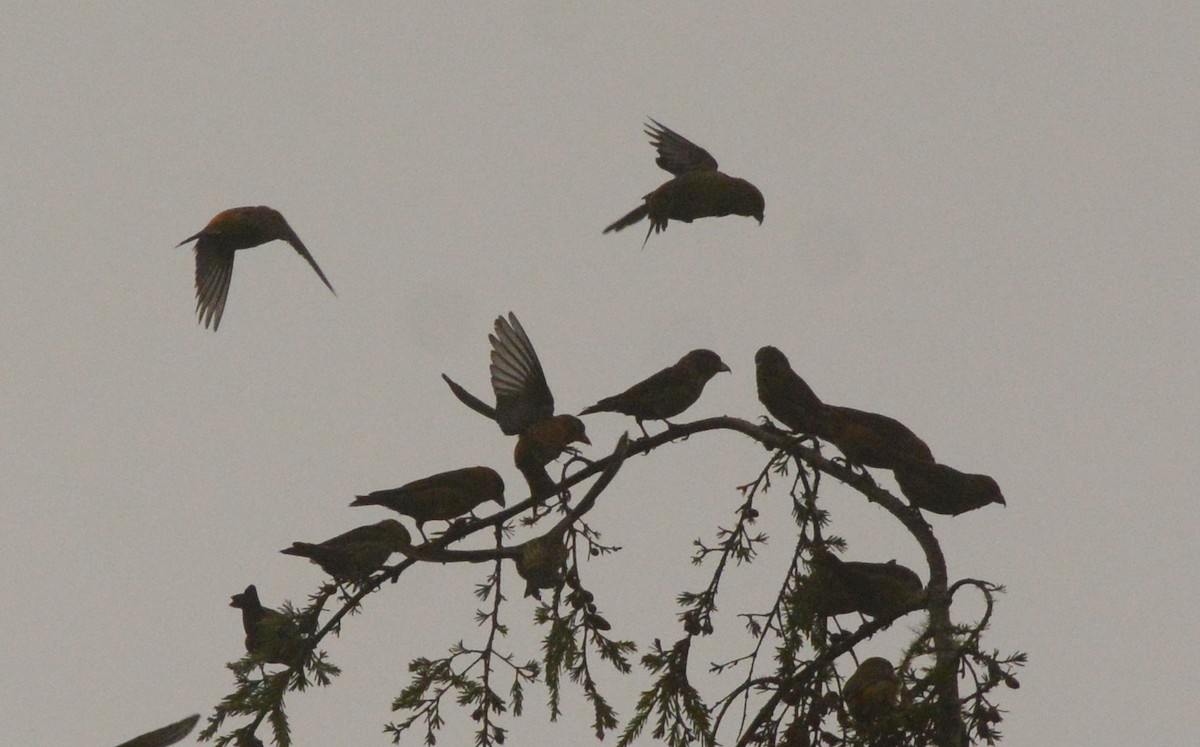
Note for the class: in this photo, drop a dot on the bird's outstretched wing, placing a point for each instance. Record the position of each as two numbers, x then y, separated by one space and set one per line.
522 395
169 734
676 153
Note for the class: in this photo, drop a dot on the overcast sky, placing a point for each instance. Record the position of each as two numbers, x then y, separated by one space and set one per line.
980 219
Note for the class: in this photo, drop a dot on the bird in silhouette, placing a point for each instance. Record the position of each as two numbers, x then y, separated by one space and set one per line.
356 554
878 590
524 404
871 439
870 693
944 490
786 396
668 392
271 636
228 231
698 189
541 562
167 735
440 497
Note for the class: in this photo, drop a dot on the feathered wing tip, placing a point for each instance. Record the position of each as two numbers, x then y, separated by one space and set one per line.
167 735
298 245
633 216
522 395
677 154
214 271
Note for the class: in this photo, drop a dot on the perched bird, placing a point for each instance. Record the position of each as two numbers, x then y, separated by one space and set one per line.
865 438
871 439
697 191
271 636
878 590
228 231
786 396
167 735
524 404
945 490
870 693
440 497
356 554
668 392
541 562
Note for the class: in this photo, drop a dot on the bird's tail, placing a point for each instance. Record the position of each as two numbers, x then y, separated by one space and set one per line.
633 216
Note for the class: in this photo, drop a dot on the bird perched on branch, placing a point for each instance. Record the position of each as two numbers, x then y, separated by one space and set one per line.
786 396
870 693
356 554
524 404
865 438
878 590
229 231
271 636
945 490
167 735
698 189
440 497
667 393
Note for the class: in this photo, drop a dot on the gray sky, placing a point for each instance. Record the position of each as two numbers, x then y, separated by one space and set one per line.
980 219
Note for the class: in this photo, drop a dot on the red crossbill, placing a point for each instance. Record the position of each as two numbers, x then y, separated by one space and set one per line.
878 590
228 231
524 404
354 555
698 190
167 735
440 497
668 392
271 636
945 490
870 693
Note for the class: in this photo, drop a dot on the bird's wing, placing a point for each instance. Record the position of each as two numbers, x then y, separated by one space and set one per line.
169 734
470 400
522 395
676 153
214 269
298 245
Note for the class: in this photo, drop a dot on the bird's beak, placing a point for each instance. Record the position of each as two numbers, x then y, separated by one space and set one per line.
585 439
759 218
724 368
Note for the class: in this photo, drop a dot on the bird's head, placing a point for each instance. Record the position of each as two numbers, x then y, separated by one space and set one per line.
705 362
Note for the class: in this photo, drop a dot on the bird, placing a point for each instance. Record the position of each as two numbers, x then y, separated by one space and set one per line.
787 397
865 438
668 392
870 693
166 735
698 189
271 636
524 403
440 497
541 562
228 231
878 590
944 490
356 554
871 439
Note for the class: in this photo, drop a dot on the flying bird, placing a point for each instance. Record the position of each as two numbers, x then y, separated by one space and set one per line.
698 189
356 554
228 231
440 497
524 404
167 735
271 636
668 392
787 397
870 693
944 490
